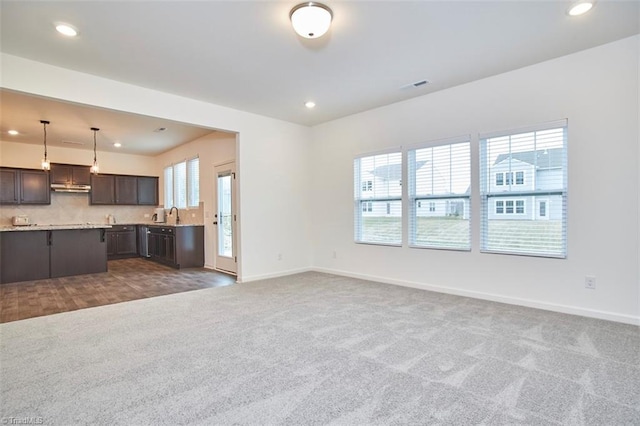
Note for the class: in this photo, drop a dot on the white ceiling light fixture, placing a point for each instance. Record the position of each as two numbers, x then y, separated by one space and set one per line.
13 132
66 29
310 104
311 19
117 144
580 8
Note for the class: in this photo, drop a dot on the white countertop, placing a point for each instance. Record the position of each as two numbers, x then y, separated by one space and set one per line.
36 227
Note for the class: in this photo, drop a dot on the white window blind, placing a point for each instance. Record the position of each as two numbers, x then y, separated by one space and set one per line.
527 214
180 185
378 198
193 182
168 187
439 195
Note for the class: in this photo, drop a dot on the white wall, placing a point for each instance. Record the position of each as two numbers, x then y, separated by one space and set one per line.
272 157
13 154
597 90
212 149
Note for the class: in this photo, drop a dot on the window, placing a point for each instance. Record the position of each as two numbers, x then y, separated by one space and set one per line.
541 154
366 206
383 222
499 179
182 184
440 172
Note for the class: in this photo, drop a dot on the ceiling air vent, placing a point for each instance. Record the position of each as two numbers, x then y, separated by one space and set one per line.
415 84
72 142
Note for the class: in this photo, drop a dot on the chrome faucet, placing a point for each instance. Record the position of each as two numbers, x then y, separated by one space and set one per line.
177 215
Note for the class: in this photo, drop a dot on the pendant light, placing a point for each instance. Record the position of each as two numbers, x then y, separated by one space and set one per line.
45 162
94 168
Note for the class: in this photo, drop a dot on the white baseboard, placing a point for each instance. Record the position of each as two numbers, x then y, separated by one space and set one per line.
246 279
565 309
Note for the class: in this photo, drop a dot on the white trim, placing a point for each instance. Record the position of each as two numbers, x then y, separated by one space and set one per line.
273 275
535 128
554 307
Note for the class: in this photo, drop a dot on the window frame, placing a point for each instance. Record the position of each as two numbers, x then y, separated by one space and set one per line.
486 195
358 200
176 188
413 199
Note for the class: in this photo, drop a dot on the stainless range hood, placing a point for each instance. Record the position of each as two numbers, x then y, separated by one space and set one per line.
60 187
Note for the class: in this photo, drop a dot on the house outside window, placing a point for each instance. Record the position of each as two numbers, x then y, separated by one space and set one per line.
432 206
367 186
527 214
499 179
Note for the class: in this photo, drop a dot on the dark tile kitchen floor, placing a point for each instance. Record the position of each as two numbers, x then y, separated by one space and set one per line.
127 279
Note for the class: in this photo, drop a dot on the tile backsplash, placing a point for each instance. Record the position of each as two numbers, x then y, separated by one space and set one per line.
72 208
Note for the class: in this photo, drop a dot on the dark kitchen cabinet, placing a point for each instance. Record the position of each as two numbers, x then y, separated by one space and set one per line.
103 189
78 251
122 241
24 186
147 191
24 256
69 174
9 186
126 190
34 187
178 247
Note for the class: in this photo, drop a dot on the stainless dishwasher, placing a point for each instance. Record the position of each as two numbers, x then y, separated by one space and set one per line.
143 240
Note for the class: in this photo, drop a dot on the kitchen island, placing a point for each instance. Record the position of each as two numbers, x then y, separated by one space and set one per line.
51 251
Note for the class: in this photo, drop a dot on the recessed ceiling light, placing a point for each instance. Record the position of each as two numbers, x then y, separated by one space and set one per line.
13 132
66 29
310 104
580 8
117 144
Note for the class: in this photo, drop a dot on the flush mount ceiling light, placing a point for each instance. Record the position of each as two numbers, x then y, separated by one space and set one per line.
117 144
95 168
13 132
66 29
45 162
310 104
580 8
311 19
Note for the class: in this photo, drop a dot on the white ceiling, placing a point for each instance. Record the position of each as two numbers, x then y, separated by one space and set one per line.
70 126
245 55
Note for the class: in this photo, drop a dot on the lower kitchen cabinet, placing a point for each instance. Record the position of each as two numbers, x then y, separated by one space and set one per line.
78 251
35 255
178 247
24 256
121 242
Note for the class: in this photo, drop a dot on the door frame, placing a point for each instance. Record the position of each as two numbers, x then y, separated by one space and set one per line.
231 166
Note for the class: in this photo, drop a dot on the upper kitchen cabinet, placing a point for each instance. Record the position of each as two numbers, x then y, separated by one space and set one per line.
24 186
68 174
126 190
147 191
103 189
9 186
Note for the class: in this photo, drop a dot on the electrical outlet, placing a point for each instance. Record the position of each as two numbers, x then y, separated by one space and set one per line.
147 215
193 215
335 255
590 282
279 256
